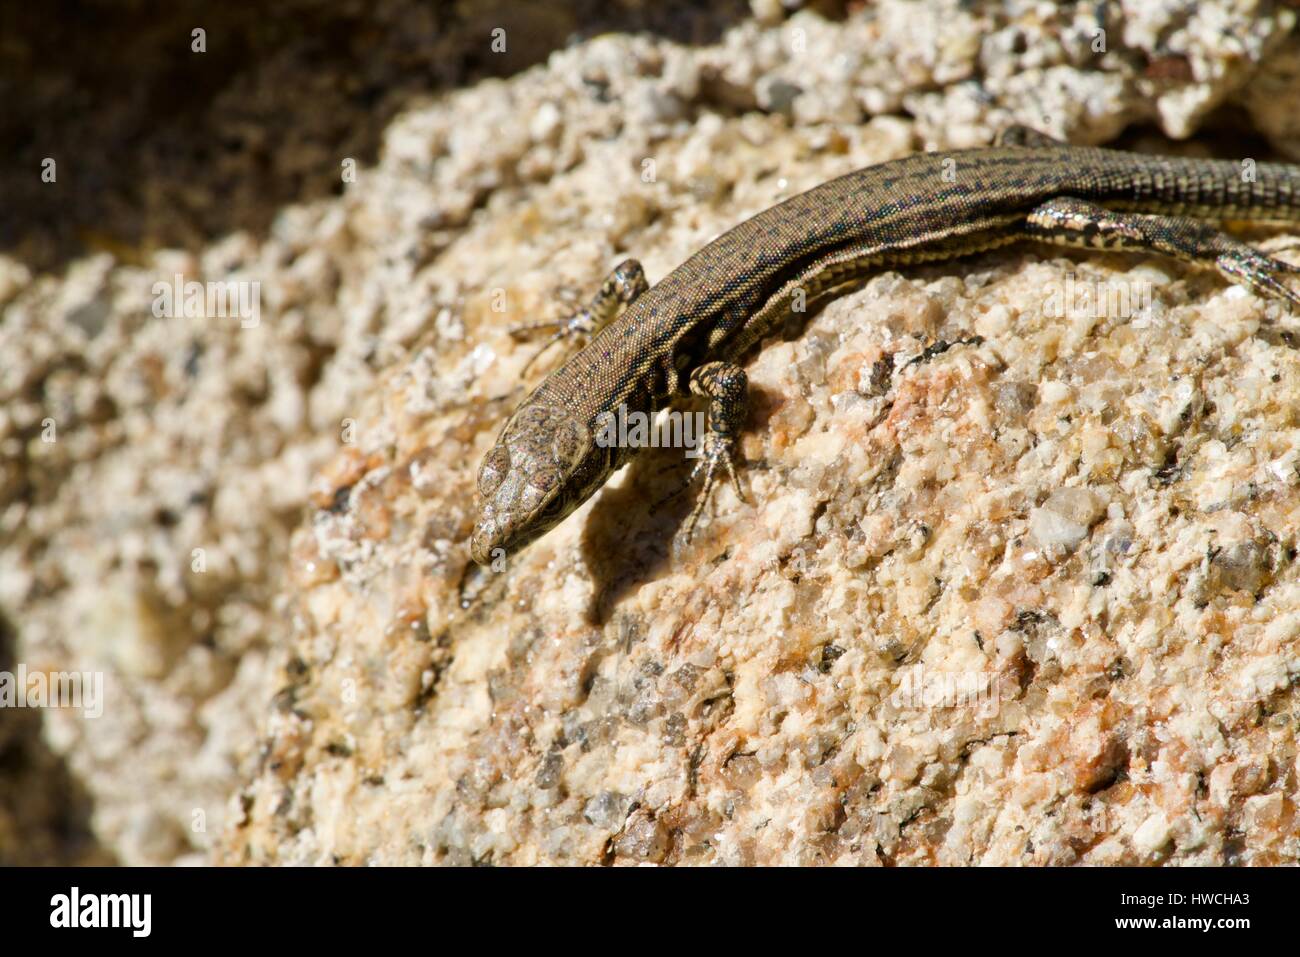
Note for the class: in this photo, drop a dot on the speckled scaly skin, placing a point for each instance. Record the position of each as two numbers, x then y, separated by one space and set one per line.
687 333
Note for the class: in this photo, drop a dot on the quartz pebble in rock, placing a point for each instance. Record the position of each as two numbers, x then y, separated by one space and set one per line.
1063 520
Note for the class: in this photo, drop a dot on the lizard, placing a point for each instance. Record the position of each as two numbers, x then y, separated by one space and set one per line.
648 346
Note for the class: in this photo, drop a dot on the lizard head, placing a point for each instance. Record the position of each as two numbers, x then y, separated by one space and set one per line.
542 467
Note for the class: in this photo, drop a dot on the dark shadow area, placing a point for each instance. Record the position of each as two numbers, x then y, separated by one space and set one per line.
156 145
619 513
615 520
44 809
1226 134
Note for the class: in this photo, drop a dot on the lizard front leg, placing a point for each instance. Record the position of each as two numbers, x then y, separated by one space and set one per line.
726 387
620 289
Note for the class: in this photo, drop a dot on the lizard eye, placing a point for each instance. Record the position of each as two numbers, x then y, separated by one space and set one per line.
493 470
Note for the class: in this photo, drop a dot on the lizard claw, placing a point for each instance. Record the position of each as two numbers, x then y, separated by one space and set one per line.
1258 271
716 456
574 327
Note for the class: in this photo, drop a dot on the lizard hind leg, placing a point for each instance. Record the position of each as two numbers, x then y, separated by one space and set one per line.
1067 221
1246 265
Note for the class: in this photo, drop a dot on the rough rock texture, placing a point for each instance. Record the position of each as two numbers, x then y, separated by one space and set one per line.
1032 600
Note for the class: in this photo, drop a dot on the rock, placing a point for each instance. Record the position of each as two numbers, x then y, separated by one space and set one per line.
1074 540
1152 835
1064 519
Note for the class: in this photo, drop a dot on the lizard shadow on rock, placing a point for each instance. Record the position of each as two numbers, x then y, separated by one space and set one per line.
620 513
629 540
633 539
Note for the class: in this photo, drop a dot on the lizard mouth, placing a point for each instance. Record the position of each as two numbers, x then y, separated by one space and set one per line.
499 532
482 543
494 534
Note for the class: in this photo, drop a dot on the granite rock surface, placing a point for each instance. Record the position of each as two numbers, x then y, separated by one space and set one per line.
1033 599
